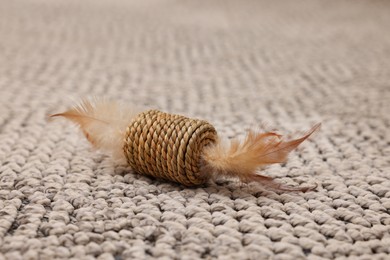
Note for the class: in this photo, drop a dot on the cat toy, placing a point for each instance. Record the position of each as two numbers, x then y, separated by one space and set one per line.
180 149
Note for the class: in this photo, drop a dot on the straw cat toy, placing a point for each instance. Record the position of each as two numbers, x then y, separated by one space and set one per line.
177 148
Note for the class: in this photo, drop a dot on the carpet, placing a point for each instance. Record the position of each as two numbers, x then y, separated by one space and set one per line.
237 64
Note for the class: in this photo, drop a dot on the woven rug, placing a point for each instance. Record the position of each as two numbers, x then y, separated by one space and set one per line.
237 64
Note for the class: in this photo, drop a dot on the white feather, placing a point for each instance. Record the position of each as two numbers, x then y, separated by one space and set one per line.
103 123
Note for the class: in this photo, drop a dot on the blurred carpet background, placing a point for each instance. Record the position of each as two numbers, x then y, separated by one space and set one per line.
235 63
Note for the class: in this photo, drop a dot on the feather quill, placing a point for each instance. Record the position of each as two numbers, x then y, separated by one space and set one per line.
242 160
102 122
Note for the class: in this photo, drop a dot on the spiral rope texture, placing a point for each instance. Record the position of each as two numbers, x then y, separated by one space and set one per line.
168 146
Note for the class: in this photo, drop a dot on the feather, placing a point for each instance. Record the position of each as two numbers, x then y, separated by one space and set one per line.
102 122
242 160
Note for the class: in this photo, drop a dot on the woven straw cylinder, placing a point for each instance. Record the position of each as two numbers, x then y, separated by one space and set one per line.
168 146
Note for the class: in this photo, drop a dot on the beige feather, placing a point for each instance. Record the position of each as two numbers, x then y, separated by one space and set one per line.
242 160
103 123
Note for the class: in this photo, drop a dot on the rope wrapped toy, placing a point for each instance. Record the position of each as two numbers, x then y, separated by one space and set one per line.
177 148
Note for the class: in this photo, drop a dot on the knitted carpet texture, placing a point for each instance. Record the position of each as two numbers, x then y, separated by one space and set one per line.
236 64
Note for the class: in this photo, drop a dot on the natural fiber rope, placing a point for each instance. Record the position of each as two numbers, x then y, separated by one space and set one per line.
168 146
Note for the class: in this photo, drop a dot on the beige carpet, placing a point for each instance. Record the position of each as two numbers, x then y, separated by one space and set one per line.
238 64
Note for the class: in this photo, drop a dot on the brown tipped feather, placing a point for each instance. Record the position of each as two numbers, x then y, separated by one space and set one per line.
102 122
242 160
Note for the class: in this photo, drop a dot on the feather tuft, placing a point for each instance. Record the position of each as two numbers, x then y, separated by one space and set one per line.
102 122
242 160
